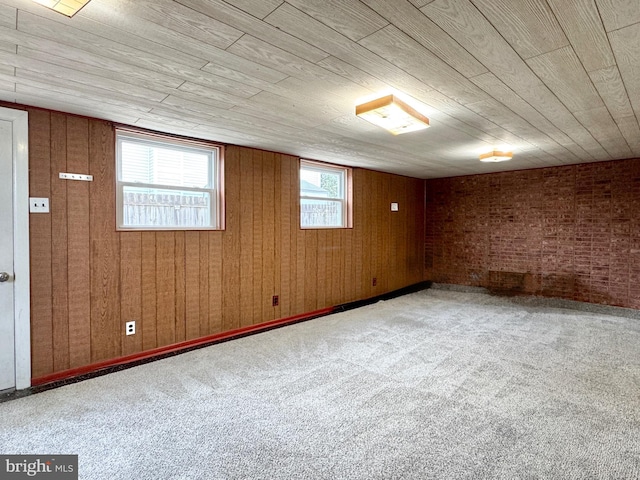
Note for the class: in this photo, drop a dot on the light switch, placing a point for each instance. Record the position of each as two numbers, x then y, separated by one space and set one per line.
38 205
394 206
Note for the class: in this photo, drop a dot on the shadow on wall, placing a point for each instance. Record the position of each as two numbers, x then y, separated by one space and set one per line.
549 285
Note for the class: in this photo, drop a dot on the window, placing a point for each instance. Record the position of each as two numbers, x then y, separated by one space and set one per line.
324 195
165 183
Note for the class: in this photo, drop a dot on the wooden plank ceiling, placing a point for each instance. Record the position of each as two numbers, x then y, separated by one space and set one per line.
558 81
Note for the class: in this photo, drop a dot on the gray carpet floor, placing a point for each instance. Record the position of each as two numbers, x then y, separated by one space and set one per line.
436 384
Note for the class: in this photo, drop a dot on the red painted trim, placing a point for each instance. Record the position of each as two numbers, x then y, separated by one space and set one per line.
176 347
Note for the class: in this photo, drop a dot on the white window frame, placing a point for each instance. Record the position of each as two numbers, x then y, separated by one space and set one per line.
346 200
215 182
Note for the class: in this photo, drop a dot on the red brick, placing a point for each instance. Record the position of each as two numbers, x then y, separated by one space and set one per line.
570 232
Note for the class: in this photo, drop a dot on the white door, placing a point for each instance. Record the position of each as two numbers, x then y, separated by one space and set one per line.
7 313
15 324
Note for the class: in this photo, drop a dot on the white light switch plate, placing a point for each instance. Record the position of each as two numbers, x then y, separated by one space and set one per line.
38 205
394 206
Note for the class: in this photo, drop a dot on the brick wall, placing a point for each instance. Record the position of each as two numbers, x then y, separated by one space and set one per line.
570 232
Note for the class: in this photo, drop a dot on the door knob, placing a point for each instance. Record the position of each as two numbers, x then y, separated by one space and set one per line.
4 276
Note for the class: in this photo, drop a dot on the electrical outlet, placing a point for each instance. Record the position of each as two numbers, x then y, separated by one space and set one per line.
374 282
275 301
38 205
130 327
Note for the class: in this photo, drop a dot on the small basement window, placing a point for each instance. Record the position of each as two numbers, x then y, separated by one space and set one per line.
166 183
325 195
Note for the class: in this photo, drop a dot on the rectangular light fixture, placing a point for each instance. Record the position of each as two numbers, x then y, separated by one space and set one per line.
392 114
66 7
496 156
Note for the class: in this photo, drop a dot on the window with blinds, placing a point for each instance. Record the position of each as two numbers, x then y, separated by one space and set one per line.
167 184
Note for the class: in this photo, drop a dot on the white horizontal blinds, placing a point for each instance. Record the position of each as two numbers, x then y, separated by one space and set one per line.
165 184
136 162
196 170
180 168
153 163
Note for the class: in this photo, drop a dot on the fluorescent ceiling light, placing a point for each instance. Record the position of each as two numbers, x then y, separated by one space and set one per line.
66 7
392 114
496 156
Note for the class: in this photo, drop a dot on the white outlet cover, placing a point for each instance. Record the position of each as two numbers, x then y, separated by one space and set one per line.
38 205
394 206
130 328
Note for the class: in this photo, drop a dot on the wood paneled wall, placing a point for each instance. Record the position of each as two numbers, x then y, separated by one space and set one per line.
88 279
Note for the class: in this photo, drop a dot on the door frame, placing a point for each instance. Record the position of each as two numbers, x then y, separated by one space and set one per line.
21 283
